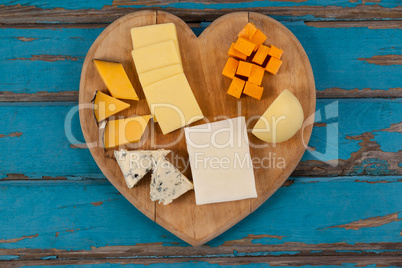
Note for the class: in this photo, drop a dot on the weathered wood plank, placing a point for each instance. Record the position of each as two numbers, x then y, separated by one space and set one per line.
73 12
309 218
366 147
347 62
224 262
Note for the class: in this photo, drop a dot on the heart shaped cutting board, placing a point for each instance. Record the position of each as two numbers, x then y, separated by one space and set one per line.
203 60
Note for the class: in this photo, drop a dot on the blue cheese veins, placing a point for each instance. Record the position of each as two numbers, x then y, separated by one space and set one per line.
167 182
136 164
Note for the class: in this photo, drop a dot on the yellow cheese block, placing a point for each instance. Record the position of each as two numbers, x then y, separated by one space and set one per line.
155 56
116 79
157 75
123 131
173 103
106 106
281 120
153 34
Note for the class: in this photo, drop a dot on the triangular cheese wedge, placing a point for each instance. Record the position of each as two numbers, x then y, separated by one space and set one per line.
123 131
106 106
136 164
167 182
116 79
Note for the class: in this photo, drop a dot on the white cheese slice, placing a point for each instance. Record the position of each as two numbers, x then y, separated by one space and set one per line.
136 164
167 182
173 103
155 56
157 75
220 161
152 34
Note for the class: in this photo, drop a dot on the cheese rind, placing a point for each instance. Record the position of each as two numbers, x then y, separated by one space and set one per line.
173 103
115 79
167 182
123 131
155 56
106 106
136 164
157 75
220 161
153 34
281 120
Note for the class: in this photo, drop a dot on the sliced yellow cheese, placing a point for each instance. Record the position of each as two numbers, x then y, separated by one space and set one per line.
152 34
173 103
281 120
116 79
155 56
106 106
123 131
157 75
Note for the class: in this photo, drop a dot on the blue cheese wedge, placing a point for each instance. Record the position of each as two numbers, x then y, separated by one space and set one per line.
167 182
136 164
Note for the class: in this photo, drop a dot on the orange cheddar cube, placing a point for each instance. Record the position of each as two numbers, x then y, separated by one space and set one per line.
275 52
236 87
244 46
261 54
253 90
258 38
257 74
235 53
248 31
244 68
273 65
230 68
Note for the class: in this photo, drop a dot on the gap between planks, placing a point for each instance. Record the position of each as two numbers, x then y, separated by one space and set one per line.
379 260
331 93
17 14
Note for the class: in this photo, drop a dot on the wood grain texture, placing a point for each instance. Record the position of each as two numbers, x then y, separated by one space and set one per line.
335 77
199 224
76 221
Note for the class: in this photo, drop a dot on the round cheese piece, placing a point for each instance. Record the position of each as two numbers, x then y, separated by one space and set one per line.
281 120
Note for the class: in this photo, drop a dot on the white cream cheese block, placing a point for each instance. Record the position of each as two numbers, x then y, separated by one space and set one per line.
220 161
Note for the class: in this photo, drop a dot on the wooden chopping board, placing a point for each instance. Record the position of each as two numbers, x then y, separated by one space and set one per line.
203 60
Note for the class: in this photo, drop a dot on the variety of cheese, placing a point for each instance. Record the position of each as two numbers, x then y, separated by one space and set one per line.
220 161
123 131
153 34
136 164
167 182
116 79
281 120
173 103
106 106
219 152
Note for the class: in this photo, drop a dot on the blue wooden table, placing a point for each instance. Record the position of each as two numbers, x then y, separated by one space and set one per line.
341 207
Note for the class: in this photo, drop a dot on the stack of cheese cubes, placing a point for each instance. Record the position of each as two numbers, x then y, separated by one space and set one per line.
246 76
157 59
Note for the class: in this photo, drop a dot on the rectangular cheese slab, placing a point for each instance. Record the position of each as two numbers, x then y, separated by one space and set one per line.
173 103
153 34
155 56
220 161
157 75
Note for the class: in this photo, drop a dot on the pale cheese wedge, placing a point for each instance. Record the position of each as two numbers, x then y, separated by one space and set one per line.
167 182
281 120
136 164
